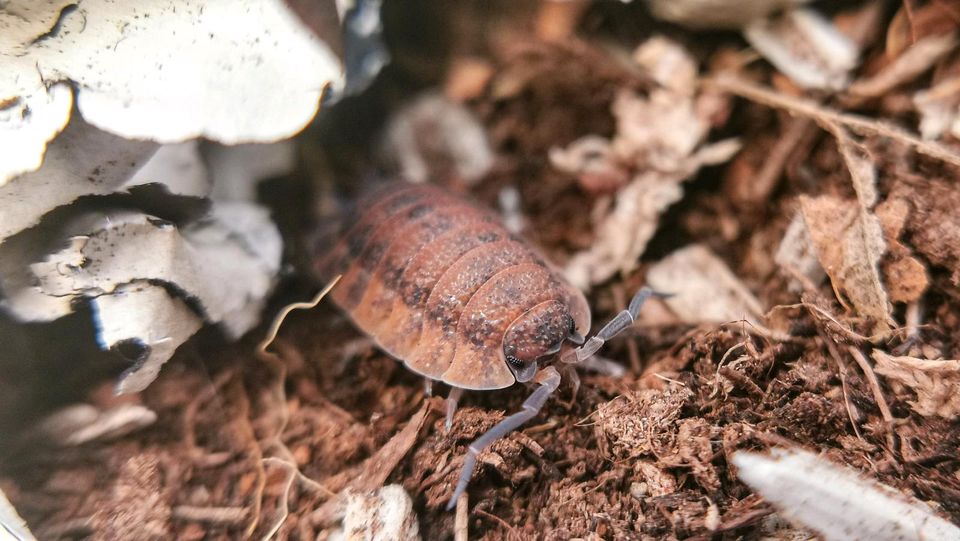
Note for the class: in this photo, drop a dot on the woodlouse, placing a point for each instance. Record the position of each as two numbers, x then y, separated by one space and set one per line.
441 285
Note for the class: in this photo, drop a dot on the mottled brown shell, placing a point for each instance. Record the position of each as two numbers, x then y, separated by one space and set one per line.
438 282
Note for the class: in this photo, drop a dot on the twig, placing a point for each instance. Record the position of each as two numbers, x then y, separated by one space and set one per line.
857 337
307 482
220 516
461 522
284 510
775 161
273 441
511 531
877 394
823 115
852 412
278 321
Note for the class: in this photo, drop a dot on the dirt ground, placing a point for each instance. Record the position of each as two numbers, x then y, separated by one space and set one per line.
252 443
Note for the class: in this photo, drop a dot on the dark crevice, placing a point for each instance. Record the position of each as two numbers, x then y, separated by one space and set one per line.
67 10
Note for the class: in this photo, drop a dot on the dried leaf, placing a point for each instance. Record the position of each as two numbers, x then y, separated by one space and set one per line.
132 77
936 383
796 254
904 275
915 22
864 246
660 138
938 107
703 288
717 14
806 47
920 57
623 235
854 263
835 501
433 138
82 423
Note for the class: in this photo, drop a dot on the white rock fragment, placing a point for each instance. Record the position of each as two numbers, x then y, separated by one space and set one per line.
83 161
161 70
146 279
837 502
178 167
385 515
143 321
12 527
27 124
236 170
223 263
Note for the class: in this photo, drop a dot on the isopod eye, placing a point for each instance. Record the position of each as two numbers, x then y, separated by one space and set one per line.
514 361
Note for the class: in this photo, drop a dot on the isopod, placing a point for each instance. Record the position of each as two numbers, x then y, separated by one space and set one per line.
440 284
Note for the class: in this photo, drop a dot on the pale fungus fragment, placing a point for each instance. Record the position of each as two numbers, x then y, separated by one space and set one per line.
160 70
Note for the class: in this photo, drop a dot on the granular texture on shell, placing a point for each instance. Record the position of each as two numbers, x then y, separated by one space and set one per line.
437 281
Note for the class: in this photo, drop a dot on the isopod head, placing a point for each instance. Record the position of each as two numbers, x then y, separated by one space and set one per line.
539 332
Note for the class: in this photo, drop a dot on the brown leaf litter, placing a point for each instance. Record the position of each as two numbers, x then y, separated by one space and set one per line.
809 279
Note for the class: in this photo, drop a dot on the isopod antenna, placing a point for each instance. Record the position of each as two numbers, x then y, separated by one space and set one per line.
615 326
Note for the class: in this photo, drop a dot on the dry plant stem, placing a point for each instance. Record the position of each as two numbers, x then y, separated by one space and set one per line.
307 482
191 410
273 441
914 317
511 532
256 452
816 311
284 511
877 395
852 411
766 178
461 521
823 115
219 516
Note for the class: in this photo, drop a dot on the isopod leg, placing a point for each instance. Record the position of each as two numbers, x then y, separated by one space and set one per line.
604 366
428 386
616 325
549 380
452 400
568 372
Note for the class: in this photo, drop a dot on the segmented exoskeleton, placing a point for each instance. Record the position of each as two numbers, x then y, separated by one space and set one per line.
441 285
